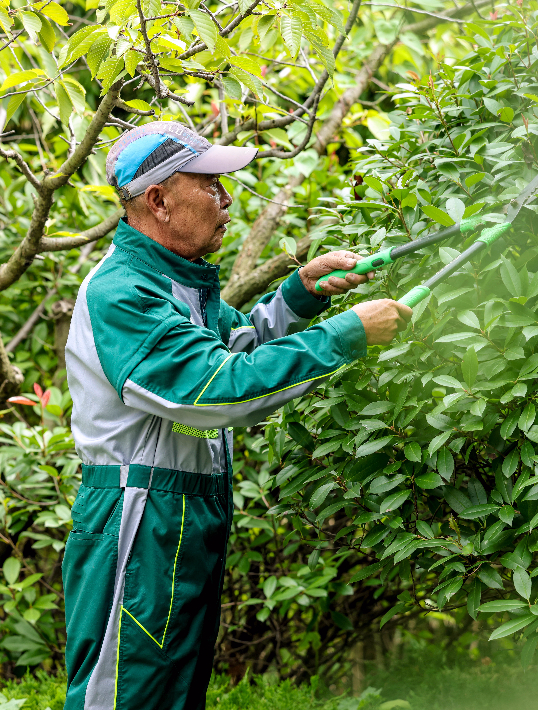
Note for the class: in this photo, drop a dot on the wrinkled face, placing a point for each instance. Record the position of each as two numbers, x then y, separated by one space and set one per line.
198 213
187 214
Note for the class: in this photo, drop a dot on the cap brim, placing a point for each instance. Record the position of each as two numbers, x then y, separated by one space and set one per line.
220 159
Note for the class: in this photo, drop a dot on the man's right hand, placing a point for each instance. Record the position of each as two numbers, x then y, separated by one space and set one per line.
382 319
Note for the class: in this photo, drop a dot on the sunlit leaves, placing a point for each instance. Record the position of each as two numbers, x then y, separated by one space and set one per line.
292 31
205 27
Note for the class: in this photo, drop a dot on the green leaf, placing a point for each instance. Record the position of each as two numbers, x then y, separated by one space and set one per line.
500 605
522 583
13 104
473 598
510 462
321 494
232 87
64 102
291 29
394 501
327 448
97 51
11 569
249 80
301 435
31 23
438 215
509 424
47 36
392 612
247 64
506 514
108 72
372 446
526 420
206 28
510 277
438 441
366 572
374 183
54 11
490 577
512 626
429 480
469 366
21 77
478 511
445 463
473 179
413 452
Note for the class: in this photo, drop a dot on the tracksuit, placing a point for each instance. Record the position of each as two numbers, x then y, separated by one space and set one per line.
160 370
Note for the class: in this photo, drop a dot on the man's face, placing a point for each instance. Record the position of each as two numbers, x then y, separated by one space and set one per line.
198 214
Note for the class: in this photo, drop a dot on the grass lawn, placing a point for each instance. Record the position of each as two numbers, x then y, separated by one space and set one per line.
423 680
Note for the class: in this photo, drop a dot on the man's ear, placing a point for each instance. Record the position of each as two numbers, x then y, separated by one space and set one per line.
157 203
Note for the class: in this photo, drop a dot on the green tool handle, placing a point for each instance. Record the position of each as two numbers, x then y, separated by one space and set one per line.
388 256
488 236
369 263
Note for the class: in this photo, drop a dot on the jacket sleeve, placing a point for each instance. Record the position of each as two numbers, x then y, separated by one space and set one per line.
191 377
287 310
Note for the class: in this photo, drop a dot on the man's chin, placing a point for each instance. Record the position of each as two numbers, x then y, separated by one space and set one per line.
216 243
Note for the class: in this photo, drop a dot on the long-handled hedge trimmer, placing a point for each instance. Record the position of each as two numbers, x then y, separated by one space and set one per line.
486 238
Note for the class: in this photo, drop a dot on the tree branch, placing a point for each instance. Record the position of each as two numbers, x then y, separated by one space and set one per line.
275 153
121 104
23 165
230 27
25 253
251 123
150 59
100 230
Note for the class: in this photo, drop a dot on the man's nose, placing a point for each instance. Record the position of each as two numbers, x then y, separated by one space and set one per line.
225 198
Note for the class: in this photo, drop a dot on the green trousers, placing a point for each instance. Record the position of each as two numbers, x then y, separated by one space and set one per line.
143 571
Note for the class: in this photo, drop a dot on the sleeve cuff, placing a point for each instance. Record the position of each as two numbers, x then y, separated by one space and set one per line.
300 300
351 332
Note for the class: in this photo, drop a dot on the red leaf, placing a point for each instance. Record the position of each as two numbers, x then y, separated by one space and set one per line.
264 70
21 400
38 390
214 109
45 398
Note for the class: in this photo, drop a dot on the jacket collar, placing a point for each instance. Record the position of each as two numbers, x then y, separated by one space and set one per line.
196 275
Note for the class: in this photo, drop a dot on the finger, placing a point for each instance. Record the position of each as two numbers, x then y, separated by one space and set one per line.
401 325
330 290
404 311
371 275
340 260
356 279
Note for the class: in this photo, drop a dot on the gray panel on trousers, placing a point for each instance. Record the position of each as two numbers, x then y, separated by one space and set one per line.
102 684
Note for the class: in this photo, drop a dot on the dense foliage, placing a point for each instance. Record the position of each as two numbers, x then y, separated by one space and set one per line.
417 466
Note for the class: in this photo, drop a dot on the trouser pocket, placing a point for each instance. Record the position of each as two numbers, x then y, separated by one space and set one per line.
89 572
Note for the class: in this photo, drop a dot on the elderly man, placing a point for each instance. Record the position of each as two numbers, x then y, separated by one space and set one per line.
160 370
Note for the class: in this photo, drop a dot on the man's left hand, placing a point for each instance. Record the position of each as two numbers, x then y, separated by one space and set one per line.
322 265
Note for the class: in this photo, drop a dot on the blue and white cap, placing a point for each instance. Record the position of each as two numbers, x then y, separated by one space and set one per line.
149 154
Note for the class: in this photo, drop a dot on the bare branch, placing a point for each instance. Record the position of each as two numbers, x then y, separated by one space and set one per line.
25 253
259 279
164 91
90 235
113 121
414 9
27 328
281 204
150 59
222 109
226 31
11 377
23 165
84 149
275 153
251 124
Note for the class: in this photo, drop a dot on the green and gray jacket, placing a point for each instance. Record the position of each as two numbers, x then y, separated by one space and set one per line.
160 368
